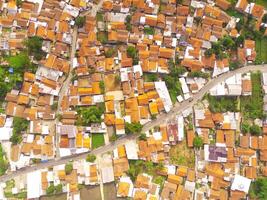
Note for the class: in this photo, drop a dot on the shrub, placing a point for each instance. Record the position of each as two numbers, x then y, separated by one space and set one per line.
68 168
149 31
198 142
90 158
245 127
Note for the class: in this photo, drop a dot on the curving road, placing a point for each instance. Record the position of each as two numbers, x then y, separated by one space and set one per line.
162 118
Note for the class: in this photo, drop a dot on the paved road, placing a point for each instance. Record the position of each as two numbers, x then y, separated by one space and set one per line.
162 118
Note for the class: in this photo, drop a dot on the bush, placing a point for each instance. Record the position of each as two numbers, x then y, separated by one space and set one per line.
113 138
54 106
222 104
90 158
110 52
208 53
134 127
80 21
58 189
255 130
198 74
132 53
198 142
68 168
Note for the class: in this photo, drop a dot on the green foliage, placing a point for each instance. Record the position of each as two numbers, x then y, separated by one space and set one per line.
198 142
142 137
172 80
90 158
18 3
255 130
99 17
88 115
102 87
34 47
208 53
19 62
132 53
102 37
245 127
50 190
252 106
134 127
117 79
222 104
3 161
150 77
58 189
128 23
19 125
80 21
199 74
97 140
54 106
149 31
113 138
110 52
235 65
258 188
68 168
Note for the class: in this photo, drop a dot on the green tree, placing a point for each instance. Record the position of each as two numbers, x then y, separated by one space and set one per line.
80 21
142 137
149 31
54 106
113 138
208 53
198 142
90 158
88 115
19 125
102 87
245 127
3 161
134 127
149 167
18 3
34 47
110 52
128 23
131 52
259 188
68 168
50 190
19 62
255 130
58 188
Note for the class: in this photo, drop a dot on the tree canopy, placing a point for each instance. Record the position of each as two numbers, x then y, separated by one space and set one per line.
34 47
80 21
90 158
90 115
68 168
259 188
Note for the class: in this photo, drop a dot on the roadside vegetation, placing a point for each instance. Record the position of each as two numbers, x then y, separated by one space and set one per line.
8 191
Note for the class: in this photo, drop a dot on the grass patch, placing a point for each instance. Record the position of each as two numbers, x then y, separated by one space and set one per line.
261 48
252 106
181 155
97 140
